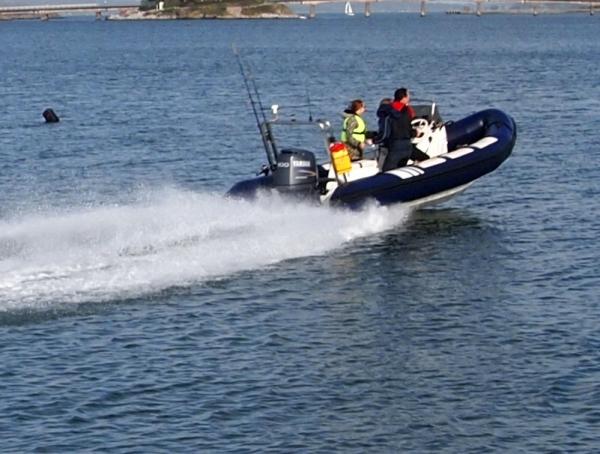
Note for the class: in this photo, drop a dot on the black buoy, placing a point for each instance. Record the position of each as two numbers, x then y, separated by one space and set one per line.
50 116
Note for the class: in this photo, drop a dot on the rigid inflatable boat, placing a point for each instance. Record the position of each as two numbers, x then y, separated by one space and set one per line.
459 153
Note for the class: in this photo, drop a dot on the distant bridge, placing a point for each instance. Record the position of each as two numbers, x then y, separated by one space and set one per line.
44 11
65 7
478 5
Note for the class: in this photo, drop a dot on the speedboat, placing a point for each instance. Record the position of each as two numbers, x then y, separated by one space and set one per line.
459 153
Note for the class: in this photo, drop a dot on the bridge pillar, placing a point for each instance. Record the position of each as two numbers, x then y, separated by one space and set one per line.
367 9
479 9
98 15
423 8
591 8
312 11
535 10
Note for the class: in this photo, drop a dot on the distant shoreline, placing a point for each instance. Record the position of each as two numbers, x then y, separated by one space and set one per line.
238 13
227 12
193 12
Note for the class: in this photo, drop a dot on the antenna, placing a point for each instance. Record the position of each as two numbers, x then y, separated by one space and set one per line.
261 123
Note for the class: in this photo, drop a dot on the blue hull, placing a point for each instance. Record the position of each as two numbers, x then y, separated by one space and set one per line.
495 131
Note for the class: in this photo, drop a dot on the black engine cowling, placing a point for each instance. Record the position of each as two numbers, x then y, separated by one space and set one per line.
296 170
296 174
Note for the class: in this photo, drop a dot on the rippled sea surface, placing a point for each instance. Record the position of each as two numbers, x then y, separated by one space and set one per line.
141 311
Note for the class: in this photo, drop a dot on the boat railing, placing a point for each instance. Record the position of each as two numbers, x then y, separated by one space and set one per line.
321 127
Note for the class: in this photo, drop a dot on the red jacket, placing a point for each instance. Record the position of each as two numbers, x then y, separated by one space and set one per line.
398 105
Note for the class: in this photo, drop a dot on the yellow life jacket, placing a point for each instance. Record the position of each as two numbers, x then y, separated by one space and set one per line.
359 133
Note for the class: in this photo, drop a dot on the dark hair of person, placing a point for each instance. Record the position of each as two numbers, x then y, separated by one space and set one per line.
400 93
355 106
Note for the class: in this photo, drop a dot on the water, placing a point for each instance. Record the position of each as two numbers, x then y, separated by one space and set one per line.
140 311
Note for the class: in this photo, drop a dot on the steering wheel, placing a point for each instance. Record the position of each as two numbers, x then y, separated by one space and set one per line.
420 125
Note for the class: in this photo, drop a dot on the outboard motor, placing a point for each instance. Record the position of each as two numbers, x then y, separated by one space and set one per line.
296 171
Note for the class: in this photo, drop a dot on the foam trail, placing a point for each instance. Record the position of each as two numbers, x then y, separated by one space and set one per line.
170 238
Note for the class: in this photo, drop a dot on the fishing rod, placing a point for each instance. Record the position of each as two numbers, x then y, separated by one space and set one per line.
310 116
261 123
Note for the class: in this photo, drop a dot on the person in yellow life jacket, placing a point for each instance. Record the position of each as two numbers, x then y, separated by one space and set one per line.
354 129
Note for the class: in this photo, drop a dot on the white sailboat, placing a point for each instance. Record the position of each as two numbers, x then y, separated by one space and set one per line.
348 9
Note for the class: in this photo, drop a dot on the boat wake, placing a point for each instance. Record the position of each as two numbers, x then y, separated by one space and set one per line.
166 238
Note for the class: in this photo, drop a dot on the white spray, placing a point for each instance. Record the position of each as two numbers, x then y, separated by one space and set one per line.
170 238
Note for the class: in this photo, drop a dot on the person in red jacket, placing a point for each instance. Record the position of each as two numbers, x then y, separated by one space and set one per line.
398 116
398 131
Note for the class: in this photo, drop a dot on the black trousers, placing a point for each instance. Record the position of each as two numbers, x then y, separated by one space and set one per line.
399 151
418 155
